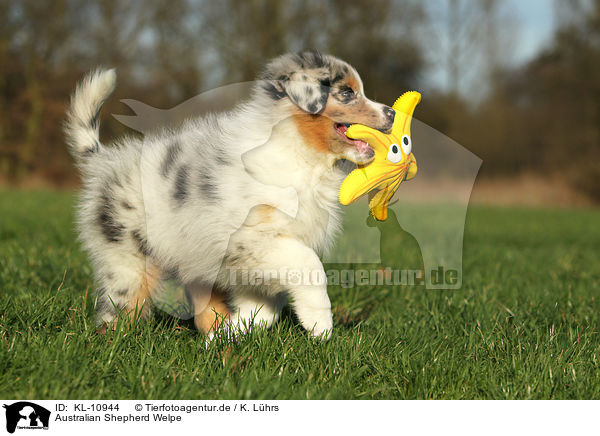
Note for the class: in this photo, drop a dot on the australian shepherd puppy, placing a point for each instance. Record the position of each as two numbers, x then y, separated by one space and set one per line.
254 189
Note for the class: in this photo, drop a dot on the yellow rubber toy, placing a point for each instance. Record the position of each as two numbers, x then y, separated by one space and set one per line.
393 162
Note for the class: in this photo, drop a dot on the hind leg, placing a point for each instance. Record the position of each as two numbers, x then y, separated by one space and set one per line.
213 307
126 285
210 306
253 309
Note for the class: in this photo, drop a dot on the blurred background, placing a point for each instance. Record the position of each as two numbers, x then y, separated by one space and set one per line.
515 82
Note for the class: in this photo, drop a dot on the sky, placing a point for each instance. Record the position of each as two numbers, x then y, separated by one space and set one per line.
536 26
533 29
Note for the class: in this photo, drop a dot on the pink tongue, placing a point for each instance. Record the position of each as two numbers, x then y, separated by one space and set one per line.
361 146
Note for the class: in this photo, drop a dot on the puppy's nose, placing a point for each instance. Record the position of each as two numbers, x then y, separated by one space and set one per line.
390 114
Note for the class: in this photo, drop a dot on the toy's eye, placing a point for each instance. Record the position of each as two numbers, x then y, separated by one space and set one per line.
394 154
406 144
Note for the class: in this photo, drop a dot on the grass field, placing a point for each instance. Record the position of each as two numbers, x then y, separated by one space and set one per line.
526 324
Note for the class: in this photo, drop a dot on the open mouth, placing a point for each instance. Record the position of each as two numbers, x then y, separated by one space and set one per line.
363 148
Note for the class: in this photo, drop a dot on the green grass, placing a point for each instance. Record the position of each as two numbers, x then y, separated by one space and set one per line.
526 323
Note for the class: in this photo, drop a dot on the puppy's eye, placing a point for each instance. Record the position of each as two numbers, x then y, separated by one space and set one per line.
347 93
394 153
406 144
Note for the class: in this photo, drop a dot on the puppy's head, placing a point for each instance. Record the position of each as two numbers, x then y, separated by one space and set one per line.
325 95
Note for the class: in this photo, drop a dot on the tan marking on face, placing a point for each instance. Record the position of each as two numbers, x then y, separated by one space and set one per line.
360 112
353 83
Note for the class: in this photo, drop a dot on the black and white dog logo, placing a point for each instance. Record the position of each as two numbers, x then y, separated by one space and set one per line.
26 415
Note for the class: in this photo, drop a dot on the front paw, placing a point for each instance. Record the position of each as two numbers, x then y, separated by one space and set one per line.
320 325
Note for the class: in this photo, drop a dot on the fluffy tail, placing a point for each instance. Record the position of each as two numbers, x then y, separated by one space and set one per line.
82 122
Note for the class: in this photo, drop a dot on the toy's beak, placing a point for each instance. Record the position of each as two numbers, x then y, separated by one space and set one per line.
382 173
379 174
406 104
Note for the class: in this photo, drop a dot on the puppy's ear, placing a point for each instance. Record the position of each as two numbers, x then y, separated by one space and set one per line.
308 92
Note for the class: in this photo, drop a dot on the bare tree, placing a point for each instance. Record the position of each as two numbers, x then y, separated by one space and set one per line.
470 42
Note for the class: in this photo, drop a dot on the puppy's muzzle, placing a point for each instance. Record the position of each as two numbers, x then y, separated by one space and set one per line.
390 115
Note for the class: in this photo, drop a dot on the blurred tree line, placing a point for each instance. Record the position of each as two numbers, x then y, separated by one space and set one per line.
543 116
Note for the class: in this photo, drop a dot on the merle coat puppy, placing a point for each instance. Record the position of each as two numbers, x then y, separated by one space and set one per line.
210 198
